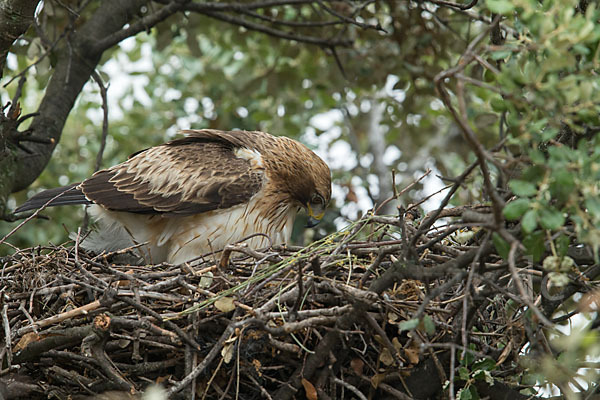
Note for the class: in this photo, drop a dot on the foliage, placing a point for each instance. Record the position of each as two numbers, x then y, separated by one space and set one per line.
509 86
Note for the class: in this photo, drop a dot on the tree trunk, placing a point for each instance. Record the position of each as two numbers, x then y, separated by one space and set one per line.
77 56
15 18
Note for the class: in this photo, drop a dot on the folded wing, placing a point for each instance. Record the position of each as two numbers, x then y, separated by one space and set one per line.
186 176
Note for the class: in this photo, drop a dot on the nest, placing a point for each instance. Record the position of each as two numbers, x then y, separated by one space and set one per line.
346 316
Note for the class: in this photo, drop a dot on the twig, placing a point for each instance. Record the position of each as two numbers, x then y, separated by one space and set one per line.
216 349
39 210
524 296
7 335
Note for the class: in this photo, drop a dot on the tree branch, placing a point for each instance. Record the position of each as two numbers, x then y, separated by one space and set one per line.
76 62
15 18
202 9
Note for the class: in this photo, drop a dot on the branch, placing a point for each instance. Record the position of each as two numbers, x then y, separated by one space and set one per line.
15 18
76 63
202 9
142 25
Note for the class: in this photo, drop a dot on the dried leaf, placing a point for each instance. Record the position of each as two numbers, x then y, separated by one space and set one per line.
311 392
412 354
377 379
225 304
227 353
357 366
505 352
386 357
25 340
257 366
206 280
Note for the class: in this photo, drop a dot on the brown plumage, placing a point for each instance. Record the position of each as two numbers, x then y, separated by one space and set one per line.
199 193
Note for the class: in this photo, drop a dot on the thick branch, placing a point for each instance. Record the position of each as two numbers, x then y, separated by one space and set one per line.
15 18
76 62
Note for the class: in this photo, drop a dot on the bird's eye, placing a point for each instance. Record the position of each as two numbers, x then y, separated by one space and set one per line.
317 199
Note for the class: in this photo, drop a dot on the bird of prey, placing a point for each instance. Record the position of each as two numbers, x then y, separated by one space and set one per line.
198 193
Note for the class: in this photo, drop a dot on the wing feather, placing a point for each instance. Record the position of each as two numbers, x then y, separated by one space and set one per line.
187 176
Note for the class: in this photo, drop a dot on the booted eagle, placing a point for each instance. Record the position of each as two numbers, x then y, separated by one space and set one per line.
197 194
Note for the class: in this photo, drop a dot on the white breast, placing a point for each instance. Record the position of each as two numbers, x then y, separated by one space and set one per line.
179 239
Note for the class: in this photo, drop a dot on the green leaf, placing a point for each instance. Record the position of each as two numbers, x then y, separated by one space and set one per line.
408 324
534 173
522 188
486 364
429 325
502 246
464 394
469 357
537 156
498 104
562 245
593 206
562 185
484 376
463 373
516 208
500 6
534 244
551 218
500 55
529 221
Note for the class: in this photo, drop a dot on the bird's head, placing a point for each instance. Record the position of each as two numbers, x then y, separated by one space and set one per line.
320 193
315 209
302 175
315 194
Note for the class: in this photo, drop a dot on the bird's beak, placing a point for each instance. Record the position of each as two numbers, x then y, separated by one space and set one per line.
314 216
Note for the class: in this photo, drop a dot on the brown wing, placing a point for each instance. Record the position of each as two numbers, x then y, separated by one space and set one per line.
183 177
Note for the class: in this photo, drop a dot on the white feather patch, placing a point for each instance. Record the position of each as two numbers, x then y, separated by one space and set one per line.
253 156
180 239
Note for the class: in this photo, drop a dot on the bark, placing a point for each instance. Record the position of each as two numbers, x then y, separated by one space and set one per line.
77 59
15 18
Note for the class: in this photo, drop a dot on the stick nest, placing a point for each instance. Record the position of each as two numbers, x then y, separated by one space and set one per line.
375 311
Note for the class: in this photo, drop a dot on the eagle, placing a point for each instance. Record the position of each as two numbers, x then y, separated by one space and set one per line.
198 193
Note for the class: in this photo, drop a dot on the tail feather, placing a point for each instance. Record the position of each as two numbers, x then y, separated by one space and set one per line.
70 194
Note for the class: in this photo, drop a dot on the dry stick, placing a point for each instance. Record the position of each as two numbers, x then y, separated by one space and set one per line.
170 324
460 118
103 89
429 220
39 210
296 306
467 293
7 335
97 341
55 319
216 349
103 94
459 6
384 337
394 274
350 387
400 193
524 296
452 362
350 20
